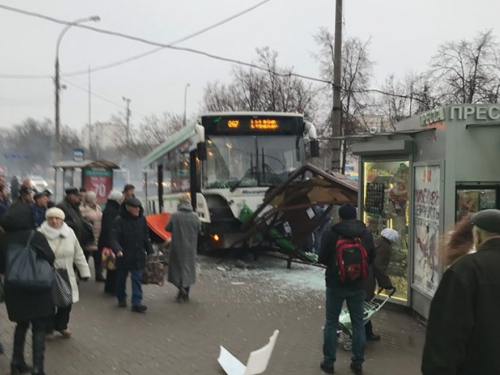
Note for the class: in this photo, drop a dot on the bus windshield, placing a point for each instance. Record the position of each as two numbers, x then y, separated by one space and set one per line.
251 161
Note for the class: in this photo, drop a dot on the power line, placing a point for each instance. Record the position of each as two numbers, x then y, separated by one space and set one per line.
92 93
130 59
24 76
158 44
190 50
197 33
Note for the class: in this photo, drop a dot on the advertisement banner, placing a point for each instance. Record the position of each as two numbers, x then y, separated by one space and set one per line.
426 228
100 181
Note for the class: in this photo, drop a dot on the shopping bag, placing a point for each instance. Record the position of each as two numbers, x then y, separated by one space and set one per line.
108 259
26 269
62 294
154 273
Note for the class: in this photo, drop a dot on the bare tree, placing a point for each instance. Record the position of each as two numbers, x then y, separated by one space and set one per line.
27 146
468 71
357 70
257 90
150 133
404 98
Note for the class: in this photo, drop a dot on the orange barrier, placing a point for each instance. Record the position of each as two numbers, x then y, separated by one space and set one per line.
157 224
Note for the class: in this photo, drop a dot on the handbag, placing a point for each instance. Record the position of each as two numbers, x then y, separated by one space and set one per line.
154 273
26 269
108 259
62 294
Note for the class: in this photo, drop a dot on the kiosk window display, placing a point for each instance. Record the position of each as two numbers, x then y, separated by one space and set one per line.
470 200
386 205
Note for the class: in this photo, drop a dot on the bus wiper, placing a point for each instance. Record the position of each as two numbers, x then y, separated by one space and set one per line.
266 168
249 173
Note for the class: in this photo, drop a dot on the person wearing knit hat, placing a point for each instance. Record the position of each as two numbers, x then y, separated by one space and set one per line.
55 212
348 212
351 235
184 226
69 254
377 275
463 329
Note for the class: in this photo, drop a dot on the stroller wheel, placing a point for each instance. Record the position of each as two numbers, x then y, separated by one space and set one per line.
347 344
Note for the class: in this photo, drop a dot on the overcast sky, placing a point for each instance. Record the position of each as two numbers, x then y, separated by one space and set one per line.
404 34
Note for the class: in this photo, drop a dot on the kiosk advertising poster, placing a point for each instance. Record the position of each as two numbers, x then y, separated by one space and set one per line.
100 181
426 230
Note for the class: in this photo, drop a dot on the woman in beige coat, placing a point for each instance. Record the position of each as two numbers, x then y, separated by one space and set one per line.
67 249
92 213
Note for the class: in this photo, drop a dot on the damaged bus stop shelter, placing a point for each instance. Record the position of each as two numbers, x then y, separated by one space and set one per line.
288 215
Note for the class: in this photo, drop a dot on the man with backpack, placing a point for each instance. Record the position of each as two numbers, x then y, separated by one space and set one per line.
347 250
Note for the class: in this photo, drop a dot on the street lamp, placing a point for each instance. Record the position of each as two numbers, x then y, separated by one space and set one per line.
185 101
58 87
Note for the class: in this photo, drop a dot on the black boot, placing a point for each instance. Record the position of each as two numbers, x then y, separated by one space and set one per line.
99 277
185 295
370 336
18 364
179 296
38 352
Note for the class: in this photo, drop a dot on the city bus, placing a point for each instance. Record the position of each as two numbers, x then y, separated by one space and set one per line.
227 162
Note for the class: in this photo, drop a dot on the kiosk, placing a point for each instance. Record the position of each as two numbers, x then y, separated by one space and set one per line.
420 180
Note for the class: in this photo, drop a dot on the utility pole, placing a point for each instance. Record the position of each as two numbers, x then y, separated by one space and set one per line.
128 119
57 86
90 115
337 87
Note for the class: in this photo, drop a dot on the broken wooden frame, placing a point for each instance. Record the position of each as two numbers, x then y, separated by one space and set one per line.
286 218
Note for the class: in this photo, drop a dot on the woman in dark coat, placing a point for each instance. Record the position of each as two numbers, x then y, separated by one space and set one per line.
26 307
110 213
378 271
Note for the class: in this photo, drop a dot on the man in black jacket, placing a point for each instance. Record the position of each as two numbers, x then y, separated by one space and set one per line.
337 291
463 329
71 208
129 240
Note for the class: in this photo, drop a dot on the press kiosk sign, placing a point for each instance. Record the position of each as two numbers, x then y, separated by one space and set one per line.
100 181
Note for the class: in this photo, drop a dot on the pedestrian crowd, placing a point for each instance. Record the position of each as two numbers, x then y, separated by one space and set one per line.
462 332
58 242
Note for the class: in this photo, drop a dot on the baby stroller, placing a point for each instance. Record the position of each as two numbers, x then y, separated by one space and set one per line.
344 331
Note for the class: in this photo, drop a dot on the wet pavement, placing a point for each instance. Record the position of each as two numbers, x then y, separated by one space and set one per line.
238 308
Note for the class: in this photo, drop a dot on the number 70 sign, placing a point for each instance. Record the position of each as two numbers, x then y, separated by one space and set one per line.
100 182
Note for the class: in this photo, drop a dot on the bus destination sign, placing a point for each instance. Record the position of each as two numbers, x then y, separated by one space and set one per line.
251 125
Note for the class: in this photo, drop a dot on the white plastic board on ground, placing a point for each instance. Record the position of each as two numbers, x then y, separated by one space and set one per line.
257 361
